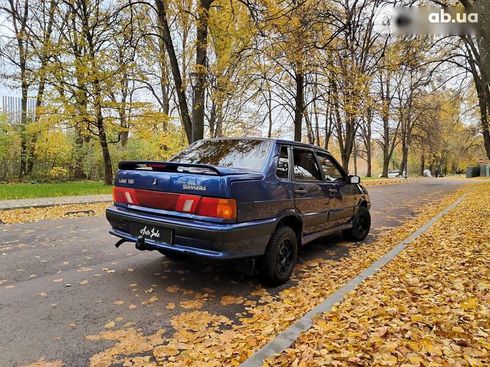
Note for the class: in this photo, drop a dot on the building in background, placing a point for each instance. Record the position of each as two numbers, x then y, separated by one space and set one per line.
11 107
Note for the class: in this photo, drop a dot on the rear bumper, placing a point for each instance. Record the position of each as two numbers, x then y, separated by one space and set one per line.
212 240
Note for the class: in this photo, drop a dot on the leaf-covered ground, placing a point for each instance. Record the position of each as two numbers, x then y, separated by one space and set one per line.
430 306
52 212
198 336
390 181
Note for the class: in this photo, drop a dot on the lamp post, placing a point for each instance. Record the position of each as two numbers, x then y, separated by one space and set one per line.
193 77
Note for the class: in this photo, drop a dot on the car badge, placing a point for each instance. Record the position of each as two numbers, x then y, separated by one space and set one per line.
155 181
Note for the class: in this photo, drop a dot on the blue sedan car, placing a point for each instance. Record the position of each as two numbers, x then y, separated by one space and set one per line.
249 198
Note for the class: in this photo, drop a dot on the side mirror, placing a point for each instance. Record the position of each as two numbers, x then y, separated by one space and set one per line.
354 180
283 166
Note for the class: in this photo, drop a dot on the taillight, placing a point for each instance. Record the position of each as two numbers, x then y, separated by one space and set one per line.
185 203
124 195
218 208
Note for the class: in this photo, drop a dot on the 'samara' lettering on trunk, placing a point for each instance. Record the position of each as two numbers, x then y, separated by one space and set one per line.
194 187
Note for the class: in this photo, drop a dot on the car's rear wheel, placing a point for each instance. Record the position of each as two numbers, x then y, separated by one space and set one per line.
280 257
360 225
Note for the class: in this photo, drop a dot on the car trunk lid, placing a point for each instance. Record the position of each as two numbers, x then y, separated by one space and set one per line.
193 189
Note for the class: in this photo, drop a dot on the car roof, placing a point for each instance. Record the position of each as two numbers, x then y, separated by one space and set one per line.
278 141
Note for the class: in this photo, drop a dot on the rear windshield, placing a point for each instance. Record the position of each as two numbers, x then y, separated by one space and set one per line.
248 154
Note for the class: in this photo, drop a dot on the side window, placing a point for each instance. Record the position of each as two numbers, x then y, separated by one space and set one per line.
330 170
282 169
305 166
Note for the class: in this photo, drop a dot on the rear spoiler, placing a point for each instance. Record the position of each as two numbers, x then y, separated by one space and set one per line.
165 166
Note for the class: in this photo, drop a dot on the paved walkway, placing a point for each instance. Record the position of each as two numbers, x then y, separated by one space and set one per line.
44 202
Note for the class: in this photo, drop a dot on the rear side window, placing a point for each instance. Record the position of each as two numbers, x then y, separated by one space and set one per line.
330 170
282 170
305 166
233 153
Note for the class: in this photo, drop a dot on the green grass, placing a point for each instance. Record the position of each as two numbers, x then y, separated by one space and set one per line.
43 190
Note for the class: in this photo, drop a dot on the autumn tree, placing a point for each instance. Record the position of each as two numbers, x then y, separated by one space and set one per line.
87 74
231 36
294 32
17 49
353 60
477 53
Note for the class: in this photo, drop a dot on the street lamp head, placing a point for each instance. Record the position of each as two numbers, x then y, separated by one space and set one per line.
193 78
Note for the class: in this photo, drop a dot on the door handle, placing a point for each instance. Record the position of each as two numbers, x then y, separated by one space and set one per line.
300 190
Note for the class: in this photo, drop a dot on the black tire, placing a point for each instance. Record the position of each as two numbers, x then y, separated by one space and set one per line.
173 255
280 256
360 226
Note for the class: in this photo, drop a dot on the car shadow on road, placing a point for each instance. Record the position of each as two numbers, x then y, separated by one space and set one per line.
199 274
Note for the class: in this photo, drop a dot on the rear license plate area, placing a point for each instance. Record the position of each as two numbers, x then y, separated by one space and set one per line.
155 233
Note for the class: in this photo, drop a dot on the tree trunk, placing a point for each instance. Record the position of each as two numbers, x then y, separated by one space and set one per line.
212 121
388 139
347 143
386 166
369 157
78 172
269 112
45 52
317 130
481 6
174 66
309 129
164 82
483 93
315 117
328 129
369 162
108 175
367 134
24 154
484 104
199 90
124 123
386 144
299 106
99 117
19 14
486 141
219 121
404 164
355 158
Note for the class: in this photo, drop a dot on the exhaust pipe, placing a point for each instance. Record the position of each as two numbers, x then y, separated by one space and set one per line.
140 244
120 242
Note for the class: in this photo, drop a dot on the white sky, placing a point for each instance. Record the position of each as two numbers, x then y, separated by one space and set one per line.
5 91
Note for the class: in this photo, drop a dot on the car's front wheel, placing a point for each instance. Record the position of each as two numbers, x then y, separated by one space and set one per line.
361 225
280 257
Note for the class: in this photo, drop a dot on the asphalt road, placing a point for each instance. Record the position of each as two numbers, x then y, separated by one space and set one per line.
61 280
